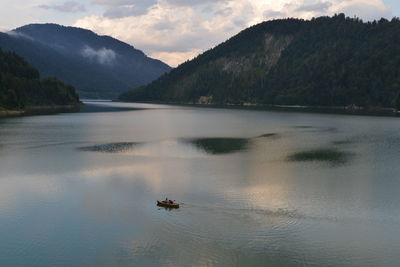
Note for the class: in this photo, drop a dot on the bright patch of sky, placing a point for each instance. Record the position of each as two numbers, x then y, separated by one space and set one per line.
178 30
394 5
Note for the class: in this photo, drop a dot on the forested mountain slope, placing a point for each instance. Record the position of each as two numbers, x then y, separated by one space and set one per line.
327 61
97 66
20 86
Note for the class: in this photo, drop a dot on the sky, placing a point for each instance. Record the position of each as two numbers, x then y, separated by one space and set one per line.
177 30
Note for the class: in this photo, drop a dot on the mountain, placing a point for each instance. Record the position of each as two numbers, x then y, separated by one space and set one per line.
20 86
326 61
97 66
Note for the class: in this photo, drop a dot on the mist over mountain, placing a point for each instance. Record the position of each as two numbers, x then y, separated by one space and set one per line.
326 61
97 66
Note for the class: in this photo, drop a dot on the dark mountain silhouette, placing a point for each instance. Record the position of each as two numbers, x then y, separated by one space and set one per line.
98 66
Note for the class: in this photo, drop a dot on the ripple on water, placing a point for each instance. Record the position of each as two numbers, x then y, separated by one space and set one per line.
196 225
111 147
343 142
219 146
331 155
269 135
212 146
308 128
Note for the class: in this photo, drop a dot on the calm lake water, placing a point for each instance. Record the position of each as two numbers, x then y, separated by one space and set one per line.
79 189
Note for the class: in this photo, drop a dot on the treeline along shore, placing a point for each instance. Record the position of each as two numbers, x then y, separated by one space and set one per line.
22 91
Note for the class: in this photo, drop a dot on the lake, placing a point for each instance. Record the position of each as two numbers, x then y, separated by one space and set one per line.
257 188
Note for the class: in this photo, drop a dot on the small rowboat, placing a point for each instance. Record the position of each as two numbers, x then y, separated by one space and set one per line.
167 205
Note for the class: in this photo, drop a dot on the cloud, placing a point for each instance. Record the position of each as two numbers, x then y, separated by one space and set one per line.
68 7
176 30
272 14
16 34
319 7
4 29
364 9
125 8
175 58
193 2
169 30
371 10
103 56
125 11
131 8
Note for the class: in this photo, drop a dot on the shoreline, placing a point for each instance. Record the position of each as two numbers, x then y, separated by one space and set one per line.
343 110
40 110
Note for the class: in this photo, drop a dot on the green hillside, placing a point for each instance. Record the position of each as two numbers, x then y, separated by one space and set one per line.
326 61
20 86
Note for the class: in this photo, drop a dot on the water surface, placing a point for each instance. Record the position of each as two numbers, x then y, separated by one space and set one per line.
80 189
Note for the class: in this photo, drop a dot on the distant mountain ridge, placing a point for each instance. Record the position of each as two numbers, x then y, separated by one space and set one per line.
326 61
98 66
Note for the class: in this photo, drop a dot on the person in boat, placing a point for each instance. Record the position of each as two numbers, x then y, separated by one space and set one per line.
168 201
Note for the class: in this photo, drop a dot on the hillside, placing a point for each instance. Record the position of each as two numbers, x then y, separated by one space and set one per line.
97 66
327 61
20 86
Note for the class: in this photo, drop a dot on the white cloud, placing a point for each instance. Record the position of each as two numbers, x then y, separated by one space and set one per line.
4 29
176 30
69 6
368 10
18 35
193 2
318 7
103 56
175 58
